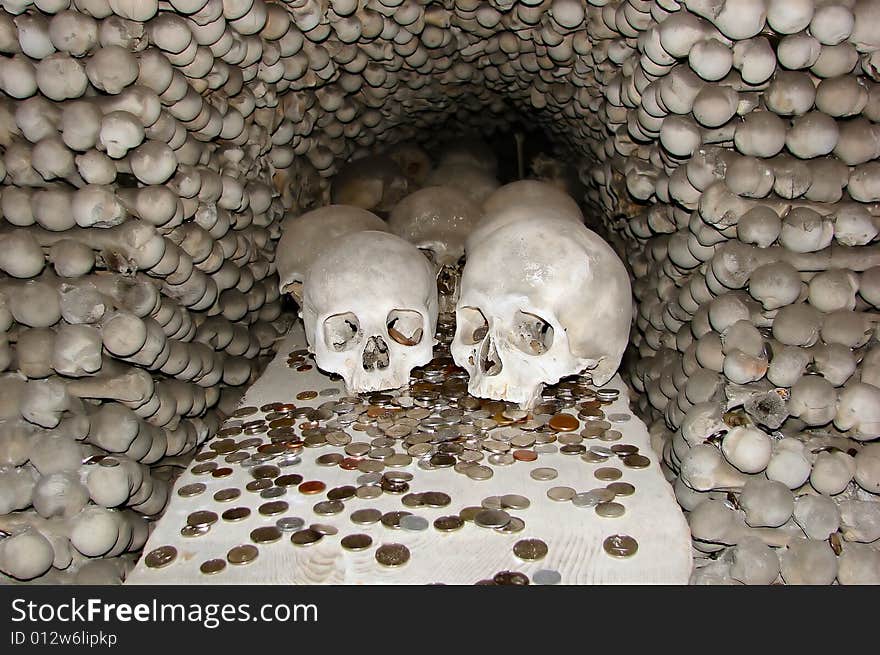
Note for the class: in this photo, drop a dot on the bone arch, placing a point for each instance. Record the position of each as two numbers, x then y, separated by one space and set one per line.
713 139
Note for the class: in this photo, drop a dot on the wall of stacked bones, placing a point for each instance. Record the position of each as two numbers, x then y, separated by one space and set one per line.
150 150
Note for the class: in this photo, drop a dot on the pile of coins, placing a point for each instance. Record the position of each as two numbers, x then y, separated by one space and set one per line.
433 424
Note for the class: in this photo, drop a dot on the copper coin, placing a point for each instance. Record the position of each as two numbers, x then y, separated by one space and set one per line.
305 537
312 487
621 488
236 514
525 455
273 507
530 549
636 461
205 455
244 411
194 489
306 395
349 463
564 423
607 474
202 517
160 557
511 578
624 449
392 555
243 554
221 472
212 566
225 495
265 535
448 523
620 546
356 542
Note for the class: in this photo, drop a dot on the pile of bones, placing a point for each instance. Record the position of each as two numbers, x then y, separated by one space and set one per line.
155 151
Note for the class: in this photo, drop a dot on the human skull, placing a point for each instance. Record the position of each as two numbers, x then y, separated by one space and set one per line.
370 310
304 237
374 182
541 299
437 220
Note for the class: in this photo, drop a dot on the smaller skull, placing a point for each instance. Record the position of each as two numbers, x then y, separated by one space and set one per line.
412 160
374 182
304 237
541 299
438 220
370 310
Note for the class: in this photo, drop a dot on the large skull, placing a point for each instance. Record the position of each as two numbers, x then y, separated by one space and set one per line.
541 299
438 220
521 200
370 310
375 183
304 237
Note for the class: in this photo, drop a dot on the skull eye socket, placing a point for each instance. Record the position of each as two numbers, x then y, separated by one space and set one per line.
341 331
531 334
427 252
405 326
472 325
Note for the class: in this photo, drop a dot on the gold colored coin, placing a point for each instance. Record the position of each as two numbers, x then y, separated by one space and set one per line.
530 549
194 489
243 554
356 542
273 507
636 461
265 535
212 566
392 555
610 510
202 517
225 495
448 523
307 395
620 546
621 488
236 514
160 557
607 474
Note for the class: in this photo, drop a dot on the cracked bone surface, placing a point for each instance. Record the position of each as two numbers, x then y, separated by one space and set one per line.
728 150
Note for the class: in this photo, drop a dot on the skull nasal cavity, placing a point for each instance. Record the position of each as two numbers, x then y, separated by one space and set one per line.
375 354
490 362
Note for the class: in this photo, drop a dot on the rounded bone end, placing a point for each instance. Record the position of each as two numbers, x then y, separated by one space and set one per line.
26 555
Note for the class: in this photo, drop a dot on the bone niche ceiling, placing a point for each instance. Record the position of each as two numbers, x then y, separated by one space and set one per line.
150 150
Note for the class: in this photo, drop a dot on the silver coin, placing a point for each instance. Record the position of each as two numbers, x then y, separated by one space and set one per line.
289 523
273 492
501 459
544 473
602 451
516 525
619 418
561 494
369 478
414 523
479 472
546 448
546 577
491 502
